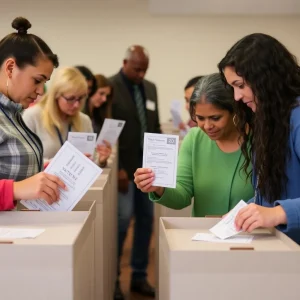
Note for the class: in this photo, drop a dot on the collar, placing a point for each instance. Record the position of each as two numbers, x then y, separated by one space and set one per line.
9 105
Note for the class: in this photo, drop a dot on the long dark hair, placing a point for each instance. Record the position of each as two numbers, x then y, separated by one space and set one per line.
273 74
99 114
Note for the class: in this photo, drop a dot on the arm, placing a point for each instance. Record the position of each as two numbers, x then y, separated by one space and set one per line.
181 196
6 194
291 207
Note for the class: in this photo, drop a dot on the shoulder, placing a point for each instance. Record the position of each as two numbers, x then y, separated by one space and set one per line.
295 115
85 119
115 78
195 137
32 114
149 84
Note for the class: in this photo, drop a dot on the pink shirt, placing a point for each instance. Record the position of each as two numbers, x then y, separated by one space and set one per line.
6 195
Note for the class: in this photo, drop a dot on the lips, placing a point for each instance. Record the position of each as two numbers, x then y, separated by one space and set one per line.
212 133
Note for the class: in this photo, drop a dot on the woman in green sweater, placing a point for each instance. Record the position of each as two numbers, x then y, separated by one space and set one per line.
210 158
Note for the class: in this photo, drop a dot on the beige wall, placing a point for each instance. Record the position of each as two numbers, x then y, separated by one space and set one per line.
97 32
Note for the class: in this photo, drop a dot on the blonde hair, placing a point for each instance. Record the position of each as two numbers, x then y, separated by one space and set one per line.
66 80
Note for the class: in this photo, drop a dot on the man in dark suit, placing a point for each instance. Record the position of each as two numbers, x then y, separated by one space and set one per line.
134 101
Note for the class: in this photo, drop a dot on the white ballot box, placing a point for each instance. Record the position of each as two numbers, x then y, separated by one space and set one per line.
58 264
163 211
267 268
104 237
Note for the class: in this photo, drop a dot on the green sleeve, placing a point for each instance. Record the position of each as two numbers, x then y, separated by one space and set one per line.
181 196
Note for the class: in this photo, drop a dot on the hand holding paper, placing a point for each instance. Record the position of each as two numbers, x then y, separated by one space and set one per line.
110 131
76 171
226 228
160 155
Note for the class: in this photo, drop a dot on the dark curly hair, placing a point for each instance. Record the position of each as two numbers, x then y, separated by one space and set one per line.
273 74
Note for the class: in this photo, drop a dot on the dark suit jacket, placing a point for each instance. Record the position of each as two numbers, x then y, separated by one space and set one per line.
124 108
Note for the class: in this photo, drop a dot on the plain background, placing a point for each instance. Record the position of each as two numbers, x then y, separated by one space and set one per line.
96 33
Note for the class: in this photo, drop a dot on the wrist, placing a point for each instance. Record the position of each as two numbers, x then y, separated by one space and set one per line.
160 191
280 214
16 191
102 164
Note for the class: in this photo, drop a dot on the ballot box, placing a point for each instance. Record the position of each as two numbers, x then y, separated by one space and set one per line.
266 269
104 237
58 264
163 211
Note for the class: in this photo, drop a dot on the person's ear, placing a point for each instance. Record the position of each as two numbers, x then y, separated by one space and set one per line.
9 66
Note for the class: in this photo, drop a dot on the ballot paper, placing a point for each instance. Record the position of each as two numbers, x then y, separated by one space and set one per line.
85 142
19 233
160 155
78 173
110 131
209 237
226 228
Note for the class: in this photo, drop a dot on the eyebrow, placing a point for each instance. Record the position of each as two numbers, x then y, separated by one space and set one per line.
235 82
212 116
44 76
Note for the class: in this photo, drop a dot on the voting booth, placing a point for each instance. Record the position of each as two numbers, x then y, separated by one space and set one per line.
105 230
267 268
58 264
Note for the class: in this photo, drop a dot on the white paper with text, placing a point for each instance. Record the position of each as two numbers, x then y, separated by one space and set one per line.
160 155
110 131
226 228
78 173
85 142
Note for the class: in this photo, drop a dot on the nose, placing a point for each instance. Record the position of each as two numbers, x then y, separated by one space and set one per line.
76 104
237 95
142 74
40 89
207 124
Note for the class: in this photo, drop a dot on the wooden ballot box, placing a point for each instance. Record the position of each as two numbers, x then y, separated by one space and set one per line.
104 237
267 268
58 264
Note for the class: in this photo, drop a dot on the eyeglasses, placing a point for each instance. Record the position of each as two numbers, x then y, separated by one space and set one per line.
73 99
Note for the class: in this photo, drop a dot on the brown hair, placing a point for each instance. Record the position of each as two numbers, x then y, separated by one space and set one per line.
104 111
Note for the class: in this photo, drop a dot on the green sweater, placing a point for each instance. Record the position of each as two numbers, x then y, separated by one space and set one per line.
208 174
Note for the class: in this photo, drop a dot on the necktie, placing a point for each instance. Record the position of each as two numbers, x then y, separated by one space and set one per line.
139 101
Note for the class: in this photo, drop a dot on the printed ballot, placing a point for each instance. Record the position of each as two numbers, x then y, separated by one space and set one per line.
209 237
226 228
160 155
19 233
78 173
110 131
85 142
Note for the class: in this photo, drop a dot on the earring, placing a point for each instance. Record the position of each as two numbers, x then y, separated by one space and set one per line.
234 120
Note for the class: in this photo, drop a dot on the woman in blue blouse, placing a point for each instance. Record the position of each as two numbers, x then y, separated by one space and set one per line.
265 77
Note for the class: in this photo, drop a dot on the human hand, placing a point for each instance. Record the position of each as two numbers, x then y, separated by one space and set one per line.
40 186
253 216
144 178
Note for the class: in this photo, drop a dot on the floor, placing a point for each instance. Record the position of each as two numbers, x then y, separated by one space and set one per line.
126 271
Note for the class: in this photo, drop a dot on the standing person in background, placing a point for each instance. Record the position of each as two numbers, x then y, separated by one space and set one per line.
26 63
59 112
89 77
188 91
134 101
98 106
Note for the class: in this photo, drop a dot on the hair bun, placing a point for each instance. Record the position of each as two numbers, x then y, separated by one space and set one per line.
21 25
